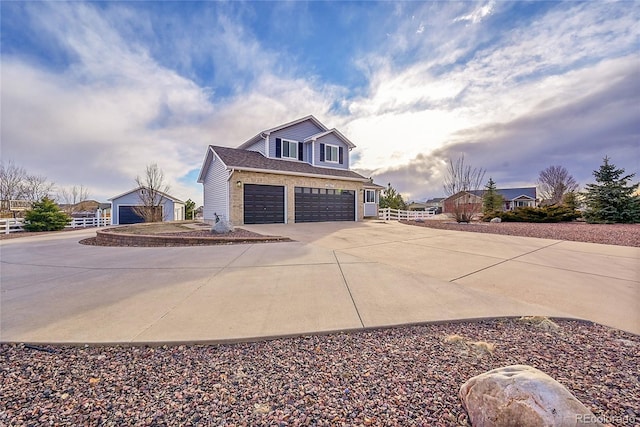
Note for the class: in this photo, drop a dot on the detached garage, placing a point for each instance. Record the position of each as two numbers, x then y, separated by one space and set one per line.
123 207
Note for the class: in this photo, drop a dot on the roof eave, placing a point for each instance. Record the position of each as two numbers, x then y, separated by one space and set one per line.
343 138
292 173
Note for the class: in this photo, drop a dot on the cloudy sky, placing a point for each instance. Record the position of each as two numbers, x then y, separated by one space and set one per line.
91 93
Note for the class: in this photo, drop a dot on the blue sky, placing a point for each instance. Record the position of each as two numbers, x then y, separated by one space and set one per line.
93 92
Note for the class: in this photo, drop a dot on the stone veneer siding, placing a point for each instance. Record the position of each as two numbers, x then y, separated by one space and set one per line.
236 208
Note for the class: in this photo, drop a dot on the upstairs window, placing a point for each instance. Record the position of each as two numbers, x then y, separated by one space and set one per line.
289 149
286 149
331 153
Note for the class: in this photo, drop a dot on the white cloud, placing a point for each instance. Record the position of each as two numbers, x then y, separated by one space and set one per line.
478 14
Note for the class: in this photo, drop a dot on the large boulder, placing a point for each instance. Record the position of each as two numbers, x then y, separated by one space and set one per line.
496 219
222 227
521 395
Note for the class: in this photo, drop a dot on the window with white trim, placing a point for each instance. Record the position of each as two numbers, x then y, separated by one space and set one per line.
331 153
289 149
369 196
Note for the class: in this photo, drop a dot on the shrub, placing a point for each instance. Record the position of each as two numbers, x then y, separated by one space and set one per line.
543 214
45 215
489 215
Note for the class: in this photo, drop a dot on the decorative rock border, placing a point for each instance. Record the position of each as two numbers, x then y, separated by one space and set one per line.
110 238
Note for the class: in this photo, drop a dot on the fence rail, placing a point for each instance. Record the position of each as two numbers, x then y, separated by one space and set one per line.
89 222
11 225
388 214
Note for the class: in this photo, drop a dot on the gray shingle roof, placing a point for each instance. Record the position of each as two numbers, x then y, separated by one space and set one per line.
245 159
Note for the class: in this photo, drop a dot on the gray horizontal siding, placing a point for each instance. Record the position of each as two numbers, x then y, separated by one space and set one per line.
331 139
216 191
258 146
293 133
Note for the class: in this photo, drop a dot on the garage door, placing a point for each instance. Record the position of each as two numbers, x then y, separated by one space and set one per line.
126 215
263 204
324 204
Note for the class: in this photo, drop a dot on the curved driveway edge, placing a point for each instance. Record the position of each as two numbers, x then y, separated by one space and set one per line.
335 276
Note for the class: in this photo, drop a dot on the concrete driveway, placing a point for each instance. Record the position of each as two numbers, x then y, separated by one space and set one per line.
335 276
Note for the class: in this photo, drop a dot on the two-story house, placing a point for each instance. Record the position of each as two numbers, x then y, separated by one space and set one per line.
295 172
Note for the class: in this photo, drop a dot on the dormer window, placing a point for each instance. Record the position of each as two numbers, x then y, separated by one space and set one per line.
289 149
331 153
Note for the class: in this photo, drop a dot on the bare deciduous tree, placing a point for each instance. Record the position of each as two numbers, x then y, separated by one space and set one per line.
71 197
461 179
11 180
554 182
17 184
152 192
36 187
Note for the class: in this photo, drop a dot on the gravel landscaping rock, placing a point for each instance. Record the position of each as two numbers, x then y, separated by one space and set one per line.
407 376
608 234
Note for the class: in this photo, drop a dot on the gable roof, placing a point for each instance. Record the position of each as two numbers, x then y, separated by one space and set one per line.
264 133
334 131
165 195
235 158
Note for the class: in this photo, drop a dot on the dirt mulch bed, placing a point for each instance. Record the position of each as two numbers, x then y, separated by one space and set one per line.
608 234
188 238
407 376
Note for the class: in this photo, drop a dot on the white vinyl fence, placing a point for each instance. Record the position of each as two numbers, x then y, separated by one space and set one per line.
11 225
388 214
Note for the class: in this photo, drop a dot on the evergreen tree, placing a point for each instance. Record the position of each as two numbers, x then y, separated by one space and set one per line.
189 207
571 200
390 198
612 198
491 200
45 215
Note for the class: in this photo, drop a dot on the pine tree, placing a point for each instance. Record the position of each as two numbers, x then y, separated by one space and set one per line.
45 215
189 207
612 198
390 198
491 200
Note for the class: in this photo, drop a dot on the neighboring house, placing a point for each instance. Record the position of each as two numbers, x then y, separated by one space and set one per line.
416 206
512 198
432 205
435 205
295 172
87 209
436 202
123 207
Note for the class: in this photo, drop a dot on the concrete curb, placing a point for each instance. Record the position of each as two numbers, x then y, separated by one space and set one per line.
228 341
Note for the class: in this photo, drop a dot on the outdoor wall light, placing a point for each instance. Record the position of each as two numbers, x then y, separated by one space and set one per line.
239 184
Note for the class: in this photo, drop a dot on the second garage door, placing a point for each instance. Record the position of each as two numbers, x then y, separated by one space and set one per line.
324 204
263 204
